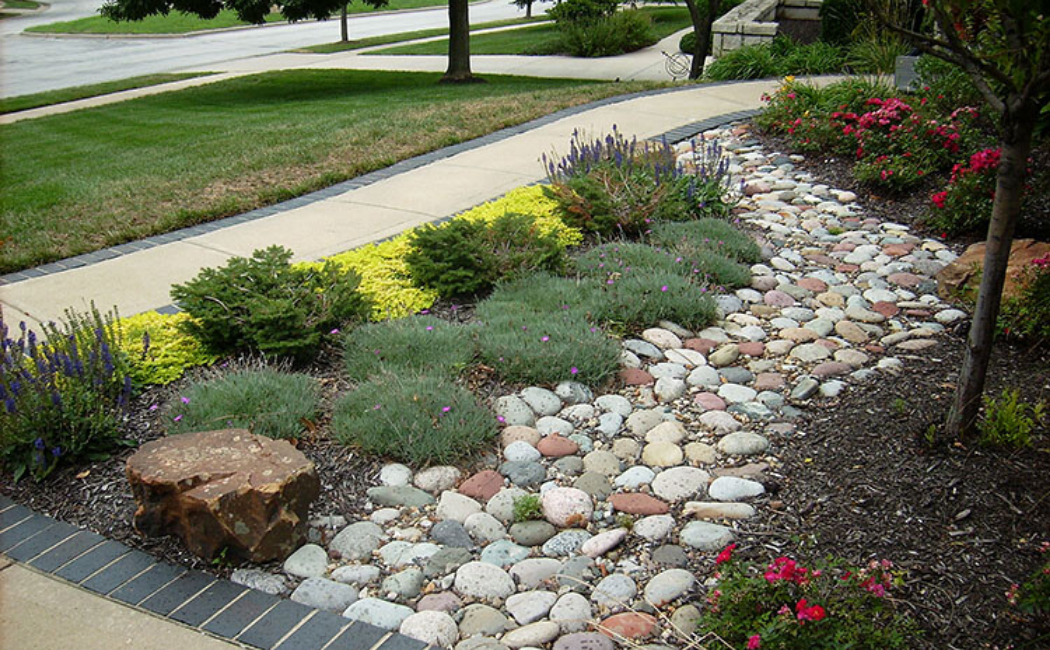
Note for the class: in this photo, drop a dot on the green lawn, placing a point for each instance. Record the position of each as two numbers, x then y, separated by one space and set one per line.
26 102
540 38
180 23
372 41
85 180
20 4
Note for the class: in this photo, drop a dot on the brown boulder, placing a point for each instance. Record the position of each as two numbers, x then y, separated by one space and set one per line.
962 276
224 489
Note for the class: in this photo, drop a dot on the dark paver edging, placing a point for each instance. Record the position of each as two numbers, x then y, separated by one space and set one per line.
675 135
194 599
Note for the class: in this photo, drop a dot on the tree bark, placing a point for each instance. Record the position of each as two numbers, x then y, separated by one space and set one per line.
702 21
343 30
1015 145
528 9
458 43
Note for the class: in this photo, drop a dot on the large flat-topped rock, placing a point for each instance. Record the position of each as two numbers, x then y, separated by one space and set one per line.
224 489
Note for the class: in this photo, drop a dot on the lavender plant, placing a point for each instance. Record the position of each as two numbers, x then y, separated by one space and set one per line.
64 393
613 185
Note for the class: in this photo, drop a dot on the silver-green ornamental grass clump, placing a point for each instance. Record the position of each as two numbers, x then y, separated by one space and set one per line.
417 419
709 234
417 343
265 401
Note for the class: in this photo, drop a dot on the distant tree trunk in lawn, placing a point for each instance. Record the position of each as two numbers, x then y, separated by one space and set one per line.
703 18
343 30
1015 146
458 43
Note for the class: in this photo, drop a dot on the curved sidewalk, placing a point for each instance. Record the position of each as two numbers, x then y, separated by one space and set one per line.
351 214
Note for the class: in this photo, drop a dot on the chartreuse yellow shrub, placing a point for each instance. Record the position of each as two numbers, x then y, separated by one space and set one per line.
171 350
531 201
385 280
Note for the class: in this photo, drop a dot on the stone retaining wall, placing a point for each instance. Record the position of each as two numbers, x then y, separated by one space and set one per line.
755 22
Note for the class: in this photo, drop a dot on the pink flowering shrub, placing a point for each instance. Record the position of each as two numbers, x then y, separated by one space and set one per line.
1032 598
966 204
788 606
1027 314
896 142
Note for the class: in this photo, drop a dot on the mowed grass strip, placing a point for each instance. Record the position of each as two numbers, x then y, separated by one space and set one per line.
50 97
540 39
85 180
177 22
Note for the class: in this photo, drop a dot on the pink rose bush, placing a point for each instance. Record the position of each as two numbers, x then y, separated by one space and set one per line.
785 605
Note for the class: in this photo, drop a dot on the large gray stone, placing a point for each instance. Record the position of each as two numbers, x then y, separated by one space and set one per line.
324 594
483 581
380 613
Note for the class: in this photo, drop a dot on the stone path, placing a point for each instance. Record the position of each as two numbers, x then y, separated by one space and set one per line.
636 488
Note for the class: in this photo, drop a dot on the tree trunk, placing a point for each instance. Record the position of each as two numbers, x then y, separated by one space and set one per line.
702 21
528 9
458 43
344 32
1015 144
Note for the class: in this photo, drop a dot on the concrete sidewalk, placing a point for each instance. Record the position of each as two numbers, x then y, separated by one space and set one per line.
37 611
141 281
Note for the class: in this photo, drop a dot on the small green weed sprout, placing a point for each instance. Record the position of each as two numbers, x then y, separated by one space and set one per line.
265 401
1009 422
527 508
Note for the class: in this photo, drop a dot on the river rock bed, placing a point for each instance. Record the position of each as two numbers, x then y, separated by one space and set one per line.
638 489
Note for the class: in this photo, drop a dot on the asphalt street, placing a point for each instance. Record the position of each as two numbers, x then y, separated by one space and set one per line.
30 64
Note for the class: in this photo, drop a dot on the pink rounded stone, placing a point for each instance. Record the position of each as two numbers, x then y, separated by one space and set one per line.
829 344
710 401
778 299
830 369
629 625
844 247
769 381
897 250
887 309
638 504
565 506
482 486
602 543
555 446
703 346
813 284
752 348
905 279
847 268
636 377
446 601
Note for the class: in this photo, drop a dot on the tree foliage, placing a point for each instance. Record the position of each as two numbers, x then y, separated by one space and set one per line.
252 11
